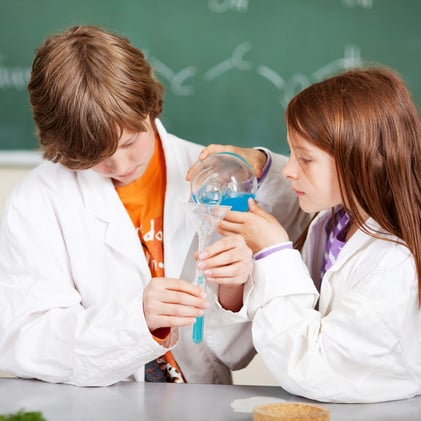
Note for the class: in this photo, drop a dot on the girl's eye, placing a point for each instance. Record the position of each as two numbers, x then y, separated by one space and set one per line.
304 160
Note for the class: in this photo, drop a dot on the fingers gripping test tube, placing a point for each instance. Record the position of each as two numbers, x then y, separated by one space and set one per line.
204 218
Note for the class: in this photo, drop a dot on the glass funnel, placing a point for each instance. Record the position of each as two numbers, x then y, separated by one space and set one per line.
204 219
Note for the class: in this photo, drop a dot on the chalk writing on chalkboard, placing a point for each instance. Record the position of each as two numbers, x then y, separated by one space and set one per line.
182 82
366 4
13 77
222 6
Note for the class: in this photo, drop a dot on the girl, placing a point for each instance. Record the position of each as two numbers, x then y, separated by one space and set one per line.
341 321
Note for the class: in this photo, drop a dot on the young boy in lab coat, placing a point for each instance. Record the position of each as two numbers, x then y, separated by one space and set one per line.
96 249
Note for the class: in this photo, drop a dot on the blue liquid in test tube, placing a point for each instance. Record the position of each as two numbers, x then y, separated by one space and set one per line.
198 330
198 324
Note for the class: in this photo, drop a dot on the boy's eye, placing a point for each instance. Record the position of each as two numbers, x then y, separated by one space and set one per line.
128 144
304 160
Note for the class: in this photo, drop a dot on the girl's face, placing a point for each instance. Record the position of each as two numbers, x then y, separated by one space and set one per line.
131 158
313 175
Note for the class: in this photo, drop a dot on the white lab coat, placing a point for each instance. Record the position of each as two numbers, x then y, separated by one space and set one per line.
72 274
364 343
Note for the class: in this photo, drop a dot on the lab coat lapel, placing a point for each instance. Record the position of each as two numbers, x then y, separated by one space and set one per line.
178 230
103 203
178 236
121 235
353 246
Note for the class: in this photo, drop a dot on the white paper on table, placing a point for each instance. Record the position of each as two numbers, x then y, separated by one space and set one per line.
247 405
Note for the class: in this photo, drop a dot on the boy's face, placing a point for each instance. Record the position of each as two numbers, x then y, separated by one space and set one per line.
131 158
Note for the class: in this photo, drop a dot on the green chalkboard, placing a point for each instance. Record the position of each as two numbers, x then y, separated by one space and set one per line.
229 66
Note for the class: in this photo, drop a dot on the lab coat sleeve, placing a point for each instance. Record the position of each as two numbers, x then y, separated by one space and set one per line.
228 334
45 330
350 354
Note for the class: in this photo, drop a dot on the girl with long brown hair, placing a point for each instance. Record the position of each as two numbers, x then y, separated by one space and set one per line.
339 320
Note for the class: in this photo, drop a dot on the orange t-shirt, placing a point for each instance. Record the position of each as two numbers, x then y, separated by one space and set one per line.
144 202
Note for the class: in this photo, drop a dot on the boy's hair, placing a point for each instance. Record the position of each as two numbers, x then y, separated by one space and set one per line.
367 120
86 86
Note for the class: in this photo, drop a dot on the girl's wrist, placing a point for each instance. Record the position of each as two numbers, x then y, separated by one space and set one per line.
272 249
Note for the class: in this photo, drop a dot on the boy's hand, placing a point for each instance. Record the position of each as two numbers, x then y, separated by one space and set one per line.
171 302
255 157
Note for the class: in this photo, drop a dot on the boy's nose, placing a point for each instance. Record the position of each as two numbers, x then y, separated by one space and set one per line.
117 165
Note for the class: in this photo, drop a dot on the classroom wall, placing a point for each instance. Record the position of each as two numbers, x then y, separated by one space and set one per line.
8 179
255 374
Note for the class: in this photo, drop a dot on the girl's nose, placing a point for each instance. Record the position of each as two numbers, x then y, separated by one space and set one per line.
290 169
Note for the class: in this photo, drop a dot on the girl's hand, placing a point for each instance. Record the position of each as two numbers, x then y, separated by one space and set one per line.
228 262
259 228
255 157
171 302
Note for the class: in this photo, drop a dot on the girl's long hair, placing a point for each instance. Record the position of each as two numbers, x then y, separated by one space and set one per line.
367 120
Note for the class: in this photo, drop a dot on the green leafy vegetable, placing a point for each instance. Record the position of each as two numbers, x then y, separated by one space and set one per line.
23 416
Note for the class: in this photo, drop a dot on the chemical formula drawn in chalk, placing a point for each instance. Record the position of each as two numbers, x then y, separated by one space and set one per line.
14 77
223 6
182 82
365 4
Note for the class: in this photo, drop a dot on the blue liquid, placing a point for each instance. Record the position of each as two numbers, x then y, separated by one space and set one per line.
198 324
237 201
198 330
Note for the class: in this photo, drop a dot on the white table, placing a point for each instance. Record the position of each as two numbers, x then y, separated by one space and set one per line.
129 401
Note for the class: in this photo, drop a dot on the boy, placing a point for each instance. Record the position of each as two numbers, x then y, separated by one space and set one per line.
85 297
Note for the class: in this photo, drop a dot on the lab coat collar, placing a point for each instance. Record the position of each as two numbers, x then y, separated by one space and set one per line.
102 201
317 235
176 218
358 241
